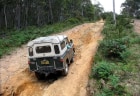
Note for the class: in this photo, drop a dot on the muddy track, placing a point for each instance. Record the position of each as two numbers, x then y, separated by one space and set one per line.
17 80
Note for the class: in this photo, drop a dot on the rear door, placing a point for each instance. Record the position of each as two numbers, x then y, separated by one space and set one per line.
44 54
43 50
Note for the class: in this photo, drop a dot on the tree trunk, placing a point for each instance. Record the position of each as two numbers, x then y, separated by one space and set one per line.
38 15
18 16
26 16
5 16
82 13
61 17
51 13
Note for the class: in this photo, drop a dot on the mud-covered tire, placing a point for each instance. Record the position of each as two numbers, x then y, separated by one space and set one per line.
40 76
65 70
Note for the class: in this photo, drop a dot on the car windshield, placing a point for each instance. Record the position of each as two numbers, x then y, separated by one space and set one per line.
43 49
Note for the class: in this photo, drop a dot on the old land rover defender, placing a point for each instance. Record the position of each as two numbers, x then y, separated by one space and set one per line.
50 54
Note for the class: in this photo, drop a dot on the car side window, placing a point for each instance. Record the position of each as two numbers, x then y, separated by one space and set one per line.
67 41
62 45
56 49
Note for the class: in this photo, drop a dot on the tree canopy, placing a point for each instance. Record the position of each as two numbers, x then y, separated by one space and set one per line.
131 8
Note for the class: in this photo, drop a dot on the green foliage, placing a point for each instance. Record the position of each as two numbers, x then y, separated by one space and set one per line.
108 17
113 48
109 91
115 51
135 40
123 22
102 70
131 8
116 39
118 90
125 54
17 38
113 81
115 87
111 87
98 57
72 21
105 92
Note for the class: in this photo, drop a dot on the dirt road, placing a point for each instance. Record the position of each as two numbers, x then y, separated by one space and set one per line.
17 80
137 26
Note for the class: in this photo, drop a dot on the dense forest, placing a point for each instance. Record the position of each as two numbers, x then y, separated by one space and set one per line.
22 13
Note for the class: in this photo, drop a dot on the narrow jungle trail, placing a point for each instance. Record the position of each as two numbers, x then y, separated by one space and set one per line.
17 80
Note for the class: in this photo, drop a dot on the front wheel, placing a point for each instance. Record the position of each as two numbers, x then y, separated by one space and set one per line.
65 70
40 76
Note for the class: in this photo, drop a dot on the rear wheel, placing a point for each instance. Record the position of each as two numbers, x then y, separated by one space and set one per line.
65 70
40 76
72 60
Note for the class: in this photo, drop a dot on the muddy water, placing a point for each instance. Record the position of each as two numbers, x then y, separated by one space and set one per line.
17 80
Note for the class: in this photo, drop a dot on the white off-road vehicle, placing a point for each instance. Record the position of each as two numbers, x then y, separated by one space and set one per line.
50 54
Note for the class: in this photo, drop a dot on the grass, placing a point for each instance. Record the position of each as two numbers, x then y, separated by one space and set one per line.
10 39
124 77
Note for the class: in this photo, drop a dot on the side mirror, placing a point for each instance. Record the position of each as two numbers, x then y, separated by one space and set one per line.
71 41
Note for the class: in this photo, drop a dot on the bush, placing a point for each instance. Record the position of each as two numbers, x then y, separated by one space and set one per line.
112 88
98 57
135 40
108 16
113 81
102 70
123 21
109 30
118 91
112 48
125 55
72 21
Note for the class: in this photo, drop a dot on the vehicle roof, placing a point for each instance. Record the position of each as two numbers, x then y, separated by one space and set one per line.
48 39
